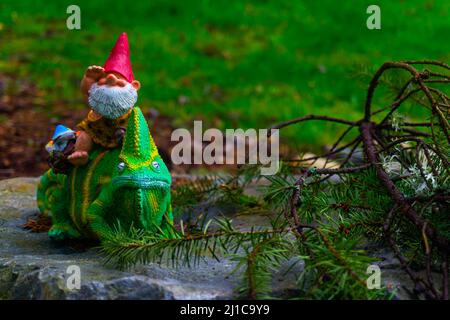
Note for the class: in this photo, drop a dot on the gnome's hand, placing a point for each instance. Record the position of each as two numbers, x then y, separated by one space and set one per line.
91 76
95 73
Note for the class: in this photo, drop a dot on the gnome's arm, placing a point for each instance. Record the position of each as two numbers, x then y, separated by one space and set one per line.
91 76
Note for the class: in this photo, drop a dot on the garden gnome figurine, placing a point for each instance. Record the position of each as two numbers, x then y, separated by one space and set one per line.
109 174
60 147
111 92
60 139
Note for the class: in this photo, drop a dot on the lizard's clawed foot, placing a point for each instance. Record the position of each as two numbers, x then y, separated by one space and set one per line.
63 232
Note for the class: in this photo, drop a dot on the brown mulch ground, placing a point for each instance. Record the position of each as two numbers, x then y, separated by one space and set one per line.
40 223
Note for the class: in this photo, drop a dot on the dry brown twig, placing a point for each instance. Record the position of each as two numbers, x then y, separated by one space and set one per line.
379 138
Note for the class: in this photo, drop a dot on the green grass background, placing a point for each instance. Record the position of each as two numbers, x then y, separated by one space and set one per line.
239 63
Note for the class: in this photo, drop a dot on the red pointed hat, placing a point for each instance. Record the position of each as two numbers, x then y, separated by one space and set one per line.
119 58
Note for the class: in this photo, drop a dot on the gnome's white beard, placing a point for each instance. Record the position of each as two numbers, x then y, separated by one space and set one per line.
112 102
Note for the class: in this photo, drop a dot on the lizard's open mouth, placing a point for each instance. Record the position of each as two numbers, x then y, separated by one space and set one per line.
138 181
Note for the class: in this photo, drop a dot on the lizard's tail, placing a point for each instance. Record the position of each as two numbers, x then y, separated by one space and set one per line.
49 184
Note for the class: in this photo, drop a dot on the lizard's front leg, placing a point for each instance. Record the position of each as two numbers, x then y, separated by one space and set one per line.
97 211
155 210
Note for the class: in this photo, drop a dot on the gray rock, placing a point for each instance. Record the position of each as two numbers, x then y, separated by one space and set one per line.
33 267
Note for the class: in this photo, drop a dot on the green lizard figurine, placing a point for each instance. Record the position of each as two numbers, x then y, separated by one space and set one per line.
130 186
109 172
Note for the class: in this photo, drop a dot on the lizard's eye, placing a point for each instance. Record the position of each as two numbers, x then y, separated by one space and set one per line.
155 165
121 166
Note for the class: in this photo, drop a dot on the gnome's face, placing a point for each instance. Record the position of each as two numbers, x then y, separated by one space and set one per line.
112 95
112 89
